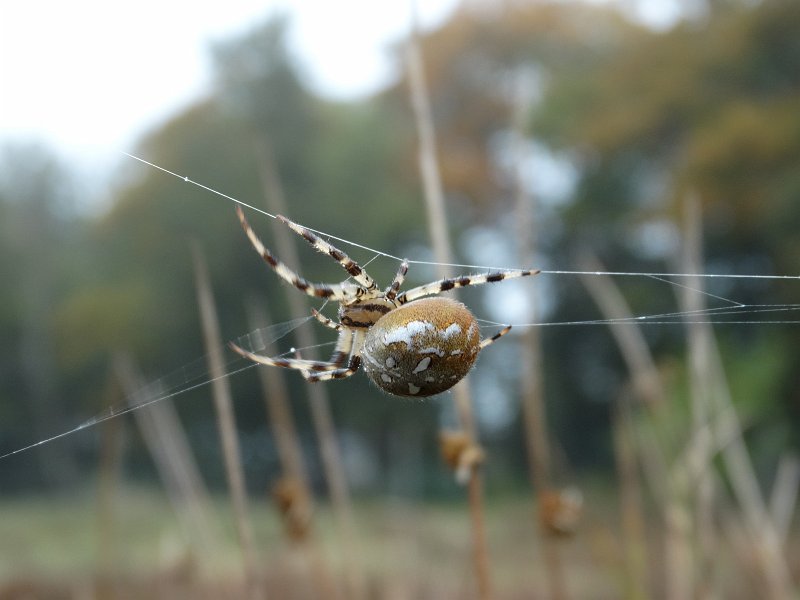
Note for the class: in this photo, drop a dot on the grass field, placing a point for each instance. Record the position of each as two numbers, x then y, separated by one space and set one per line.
60 548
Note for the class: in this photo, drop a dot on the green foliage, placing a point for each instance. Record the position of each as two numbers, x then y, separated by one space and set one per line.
709 103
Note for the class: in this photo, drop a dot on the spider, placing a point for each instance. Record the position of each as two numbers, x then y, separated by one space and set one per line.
408 344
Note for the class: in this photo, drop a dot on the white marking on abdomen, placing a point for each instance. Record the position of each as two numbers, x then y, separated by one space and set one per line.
422 365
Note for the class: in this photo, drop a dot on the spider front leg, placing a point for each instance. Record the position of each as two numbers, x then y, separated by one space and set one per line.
394 287
318 290
450 283
352 267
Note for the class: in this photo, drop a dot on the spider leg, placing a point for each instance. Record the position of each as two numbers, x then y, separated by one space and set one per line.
344 348
457 282
286 363
393 288
348 344
348 371
356 341
495 337
349 265
330 323
318 290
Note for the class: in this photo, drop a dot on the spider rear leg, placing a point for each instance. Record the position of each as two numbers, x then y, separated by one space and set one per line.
317 290
286 363
444 285
351 369
495 337
352 267
349 344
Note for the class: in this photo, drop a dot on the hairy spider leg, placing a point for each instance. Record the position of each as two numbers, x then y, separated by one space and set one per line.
352 267
394 287
347 347
330 323
286 363
495 337
444 285
318 290
357 341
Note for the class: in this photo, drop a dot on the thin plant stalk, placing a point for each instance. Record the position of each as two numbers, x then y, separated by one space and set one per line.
632 514
530 348
276 396
111 452
319 401
699 352
221 392
167 443
647 386
290 453
437 225
734 453
784 495
646 379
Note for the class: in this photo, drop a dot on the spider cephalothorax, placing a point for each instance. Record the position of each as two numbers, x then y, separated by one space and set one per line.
409 345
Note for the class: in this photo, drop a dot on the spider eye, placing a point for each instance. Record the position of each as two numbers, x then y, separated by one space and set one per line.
422 348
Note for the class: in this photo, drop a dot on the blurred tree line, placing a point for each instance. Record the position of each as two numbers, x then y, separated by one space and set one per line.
641 118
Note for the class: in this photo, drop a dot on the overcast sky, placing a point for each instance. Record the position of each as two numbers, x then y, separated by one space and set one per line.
90 76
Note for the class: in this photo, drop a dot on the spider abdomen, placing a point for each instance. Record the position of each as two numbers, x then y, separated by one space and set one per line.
422 348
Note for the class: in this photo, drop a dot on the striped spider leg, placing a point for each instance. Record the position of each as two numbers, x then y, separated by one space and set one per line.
450 283
345 359
409 345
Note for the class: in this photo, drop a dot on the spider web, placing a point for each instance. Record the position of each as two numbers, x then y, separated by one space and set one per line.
195 374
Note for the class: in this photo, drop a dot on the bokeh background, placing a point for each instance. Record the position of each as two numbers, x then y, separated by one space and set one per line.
633 137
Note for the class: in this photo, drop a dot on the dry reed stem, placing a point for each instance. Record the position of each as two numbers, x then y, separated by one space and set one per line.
276 397
646 379
167 443
220 389
108 480
319 401
290 453
530 348
721 413
646 384
437 226
632 514
784 495
700 387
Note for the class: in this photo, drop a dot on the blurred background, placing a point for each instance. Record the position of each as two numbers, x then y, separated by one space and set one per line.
645 459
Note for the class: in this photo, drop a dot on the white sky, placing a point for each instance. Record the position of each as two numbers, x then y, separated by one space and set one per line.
90 76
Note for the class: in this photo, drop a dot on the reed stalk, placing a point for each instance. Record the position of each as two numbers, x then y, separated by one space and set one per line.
784 495
534 412
169 447
319 401
438 231
221 392
719 412
634 535
112 442
699 351
293 468
647 386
